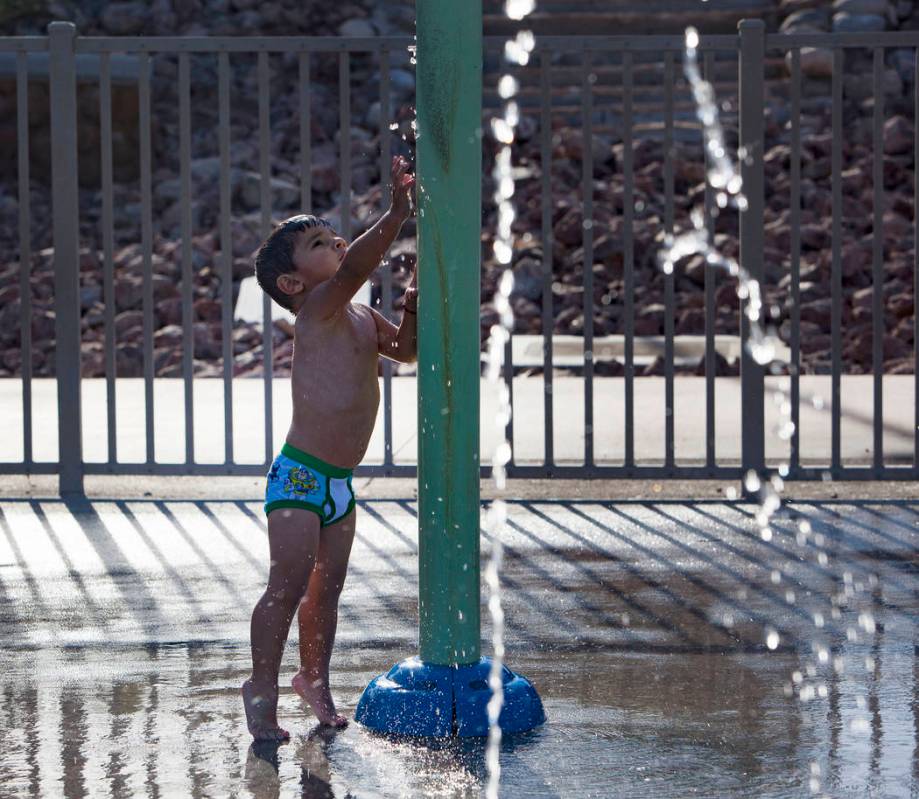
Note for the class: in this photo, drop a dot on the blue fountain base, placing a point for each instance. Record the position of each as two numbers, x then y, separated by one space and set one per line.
417 698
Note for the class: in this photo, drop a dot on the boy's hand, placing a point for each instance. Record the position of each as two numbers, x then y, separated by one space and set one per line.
402 183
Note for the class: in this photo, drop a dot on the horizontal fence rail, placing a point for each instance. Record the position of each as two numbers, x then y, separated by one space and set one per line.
623 90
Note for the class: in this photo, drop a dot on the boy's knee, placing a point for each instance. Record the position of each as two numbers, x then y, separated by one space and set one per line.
289 590
327 589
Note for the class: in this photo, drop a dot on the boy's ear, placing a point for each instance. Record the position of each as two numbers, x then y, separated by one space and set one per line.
290 283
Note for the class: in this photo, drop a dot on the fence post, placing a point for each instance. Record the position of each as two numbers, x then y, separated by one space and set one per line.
65 220
751 96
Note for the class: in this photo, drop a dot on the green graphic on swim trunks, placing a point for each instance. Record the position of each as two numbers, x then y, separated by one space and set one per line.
301 481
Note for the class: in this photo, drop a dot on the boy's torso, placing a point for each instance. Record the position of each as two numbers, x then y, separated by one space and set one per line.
336 392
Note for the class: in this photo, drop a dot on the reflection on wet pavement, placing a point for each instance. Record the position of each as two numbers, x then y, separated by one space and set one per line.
645 627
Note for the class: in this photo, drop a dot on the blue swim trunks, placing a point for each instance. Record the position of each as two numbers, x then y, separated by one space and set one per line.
300 480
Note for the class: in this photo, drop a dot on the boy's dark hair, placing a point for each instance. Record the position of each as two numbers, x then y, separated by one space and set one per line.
276 255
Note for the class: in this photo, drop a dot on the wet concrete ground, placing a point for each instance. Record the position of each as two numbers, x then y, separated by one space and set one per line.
645 626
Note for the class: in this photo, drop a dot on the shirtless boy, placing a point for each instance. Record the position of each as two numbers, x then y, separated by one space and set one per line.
305 267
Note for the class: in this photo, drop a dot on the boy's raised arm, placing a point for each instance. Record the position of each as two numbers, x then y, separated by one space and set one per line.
366 251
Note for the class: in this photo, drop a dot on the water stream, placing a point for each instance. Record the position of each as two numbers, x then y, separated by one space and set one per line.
516 51
809 682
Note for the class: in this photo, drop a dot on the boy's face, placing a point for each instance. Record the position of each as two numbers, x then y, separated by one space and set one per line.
317 255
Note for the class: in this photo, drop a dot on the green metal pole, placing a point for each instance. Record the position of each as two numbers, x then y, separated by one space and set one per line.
449 167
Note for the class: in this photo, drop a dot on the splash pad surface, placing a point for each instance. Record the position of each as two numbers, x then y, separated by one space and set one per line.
125 645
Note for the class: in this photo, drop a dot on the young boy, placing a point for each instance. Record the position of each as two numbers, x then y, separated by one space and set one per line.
307 268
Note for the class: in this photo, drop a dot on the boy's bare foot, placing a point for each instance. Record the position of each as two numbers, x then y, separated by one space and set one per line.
261 713
315 692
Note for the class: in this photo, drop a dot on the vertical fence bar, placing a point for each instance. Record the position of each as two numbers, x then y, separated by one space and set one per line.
877 296
386 297
188 337
508 369
669 302
65 214
795 455
146 236
710 309
916 266
548 310
264 143
108 249
587 194
25 250
508 374
306 155
628 287
751 93
344 132
386 274
836 274
226 251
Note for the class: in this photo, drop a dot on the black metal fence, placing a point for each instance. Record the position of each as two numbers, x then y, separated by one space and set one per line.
750 49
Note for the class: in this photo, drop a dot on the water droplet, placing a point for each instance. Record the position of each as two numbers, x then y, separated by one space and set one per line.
860 725
518 9
752 482
507 86
772 638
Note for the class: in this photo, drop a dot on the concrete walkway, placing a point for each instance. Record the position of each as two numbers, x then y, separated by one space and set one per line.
568 434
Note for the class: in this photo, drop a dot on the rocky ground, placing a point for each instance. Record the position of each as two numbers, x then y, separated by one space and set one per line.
208 263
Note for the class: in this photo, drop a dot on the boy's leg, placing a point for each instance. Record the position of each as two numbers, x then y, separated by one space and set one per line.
318 618
293 539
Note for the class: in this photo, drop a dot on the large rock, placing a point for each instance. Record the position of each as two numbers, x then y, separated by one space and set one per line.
125 19
859 23
283 193
528 279
817 19
860 86
903 60
790 6
874 7
357 27
169 311
898 136
402 80
324 172
126 320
